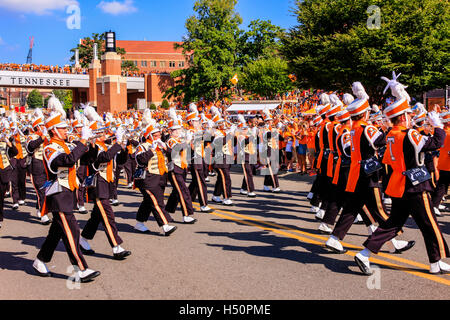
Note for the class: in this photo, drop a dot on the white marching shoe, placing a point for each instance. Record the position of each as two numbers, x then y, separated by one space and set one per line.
276 190
437 212
189 220
45 220
15 206
168 230
371 229
320 214
86 247
207 179
87 275
362 260
334 245
115 202
267 189
41 268
120 253
130 186
82 210
206 209
21 202
442 207
217 199
440 267
38 213
358 219
227 202
387 201
324 228
252 195
310 196
314 209
141 227
243 192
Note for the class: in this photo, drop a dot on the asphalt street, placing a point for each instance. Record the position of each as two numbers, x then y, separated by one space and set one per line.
266 248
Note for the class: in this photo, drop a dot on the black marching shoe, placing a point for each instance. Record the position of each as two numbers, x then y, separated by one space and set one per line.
405 248
122 255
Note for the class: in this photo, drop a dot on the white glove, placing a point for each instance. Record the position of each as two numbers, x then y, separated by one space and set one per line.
119 135
161 144
435 120
86 133
189 137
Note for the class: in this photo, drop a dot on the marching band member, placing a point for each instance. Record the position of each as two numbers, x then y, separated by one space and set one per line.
223 158
7 152
247 156
178 167
341 171
35 148
363 194
60 159
443 167
151 159
102 169
409 184
270 149
19 163
198 185
83 163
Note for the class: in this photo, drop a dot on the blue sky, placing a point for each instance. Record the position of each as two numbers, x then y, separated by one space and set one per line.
154 20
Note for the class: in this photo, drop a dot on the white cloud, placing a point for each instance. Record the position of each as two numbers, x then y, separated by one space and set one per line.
116 7
39 7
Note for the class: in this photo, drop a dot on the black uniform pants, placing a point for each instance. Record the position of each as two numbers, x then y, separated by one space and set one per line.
18 181
130 168
271 180
65 227
180 194
247 182
102 213
38 181
198 185
418 205
3 188
154 203
223 182
81 194
368 203
441 188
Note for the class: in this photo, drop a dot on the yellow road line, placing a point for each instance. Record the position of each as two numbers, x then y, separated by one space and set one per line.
421 274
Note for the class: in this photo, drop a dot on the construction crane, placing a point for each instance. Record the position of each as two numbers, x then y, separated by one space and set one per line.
30 53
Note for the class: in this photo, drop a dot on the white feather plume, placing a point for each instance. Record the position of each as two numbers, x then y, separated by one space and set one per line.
348 99
325 99
77 116
335 100
146 118
241 119
173 114
375 109
214 110
91 114
359 91
398 90
55 106
193 107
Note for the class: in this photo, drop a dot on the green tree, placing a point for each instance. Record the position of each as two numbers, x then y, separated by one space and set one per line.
210 45
261 40
35 99
86 49
267 77
65 96
165 104
335 44
129 66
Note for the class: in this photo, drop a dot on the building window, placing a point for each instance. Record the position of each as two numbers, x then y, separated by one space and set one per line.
180 64
172 64
135 63
153 64
162 64
144 63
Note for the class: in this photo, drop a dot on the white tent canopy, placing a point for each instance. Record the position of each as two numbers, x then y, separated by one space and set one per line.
252 107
